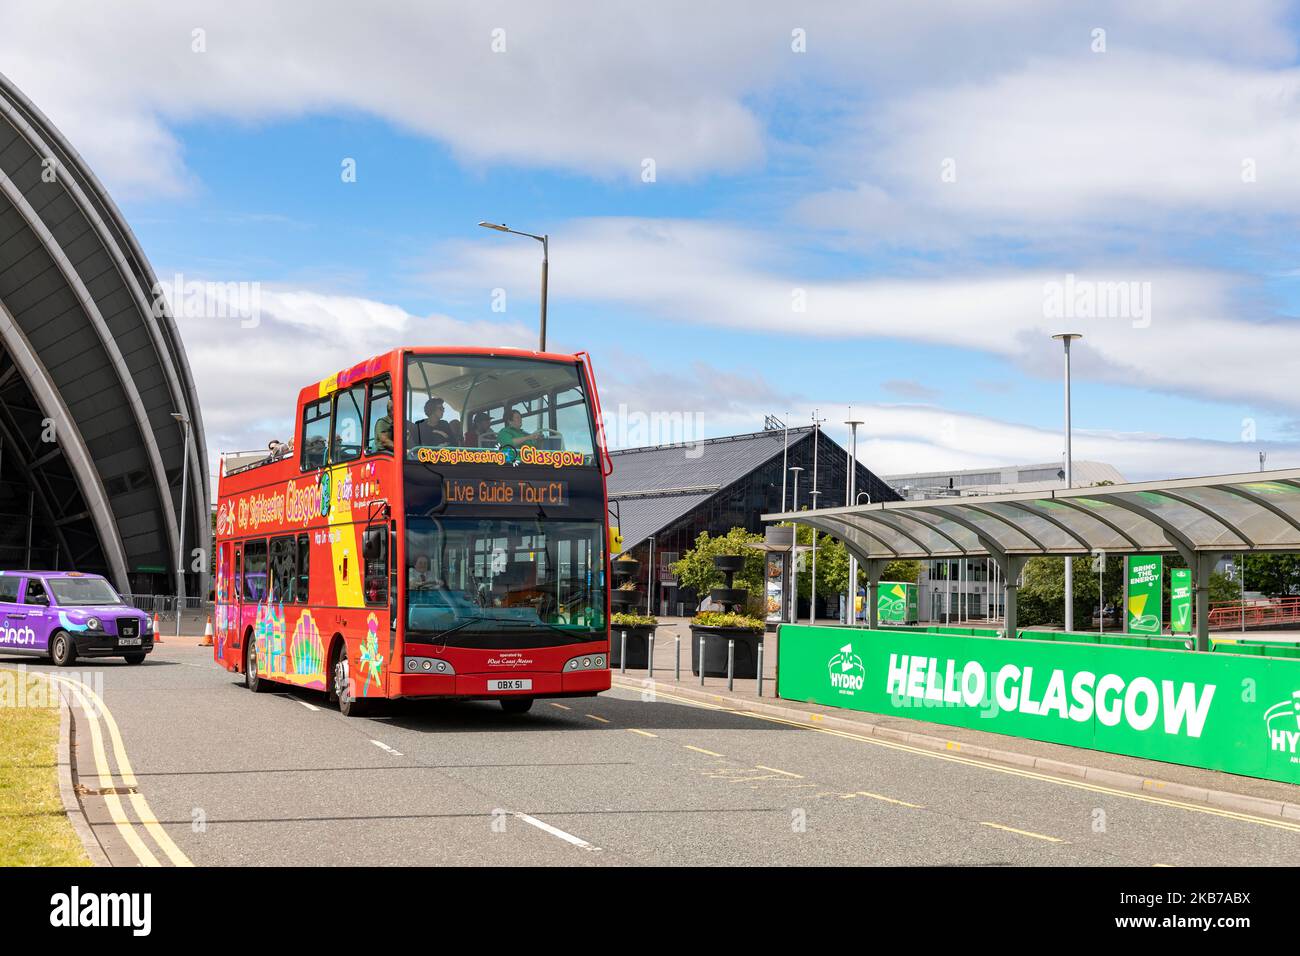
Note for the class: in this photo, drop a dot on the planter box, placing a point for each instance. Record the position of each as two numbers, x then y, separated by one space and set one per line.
638 646
620 598
715 651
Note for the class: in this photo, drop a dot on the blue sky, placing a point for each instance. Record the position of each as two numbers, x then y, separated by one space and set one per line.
1165 159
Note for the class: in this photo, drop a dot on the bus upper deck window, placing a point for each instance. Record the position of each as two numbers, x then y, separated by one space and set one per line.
379 417
345 443
315 434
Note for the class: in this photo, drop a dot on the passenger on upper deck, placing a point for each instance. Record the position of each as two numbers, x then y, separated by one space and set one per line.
383 437
480 434
432 430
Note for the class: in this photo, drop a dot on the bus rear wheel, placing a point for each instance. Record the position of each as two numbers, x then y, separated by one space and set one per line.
344 690
516 705
251 679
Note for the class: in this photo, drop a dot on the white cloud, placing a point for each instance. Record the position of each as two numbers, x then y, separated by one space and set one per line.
248 379
1071 146
1182 331
585 86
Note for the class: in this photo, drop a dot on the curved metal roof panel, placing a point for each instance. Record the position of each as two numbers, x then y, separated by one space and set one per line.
1226 513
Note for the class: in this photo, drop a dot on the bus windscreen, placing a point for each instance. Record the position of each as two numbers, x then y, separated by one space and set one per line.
504 583
508 406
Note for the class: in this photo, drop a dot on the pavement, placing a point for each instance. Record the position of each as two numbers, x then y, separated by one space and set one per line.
177 763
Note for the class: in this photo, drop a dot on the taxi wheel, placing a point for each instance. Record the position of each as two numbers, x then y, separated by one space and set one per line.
516 705
62 651
133 658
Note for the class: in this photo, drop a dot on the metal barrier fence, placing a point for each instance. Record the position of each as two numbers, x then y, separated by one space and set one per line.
166 603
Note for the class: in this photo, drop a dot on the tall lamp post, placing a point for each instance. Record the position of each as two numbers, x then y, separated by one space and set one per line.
812 582
852 497
184 421
1067 338
545 240
794 550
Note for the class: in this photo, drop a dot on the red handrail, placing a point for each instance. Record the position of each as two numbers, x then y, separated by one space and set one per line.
1228 615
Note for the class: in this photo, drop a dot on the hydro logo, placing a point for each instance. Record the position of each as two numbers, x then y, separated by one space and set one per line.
20 636
1283 723
847 673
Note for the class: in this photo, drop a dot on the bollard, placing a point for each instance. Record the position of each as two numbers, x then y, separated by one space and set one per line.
701 660
760 666
677 667
731 663
650 654
622 657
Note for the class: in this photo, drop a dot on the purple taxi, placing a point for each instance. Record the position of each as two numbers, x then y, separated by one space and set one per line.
65 615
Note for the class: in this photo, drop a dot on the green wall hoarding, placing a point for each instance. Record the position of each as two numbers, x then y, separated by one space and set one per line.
1218 711
1180 600
1145 598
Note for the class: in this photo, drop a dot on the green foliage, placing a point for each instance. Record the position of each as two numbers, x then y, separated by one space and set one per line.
908 572
695 569
621 619
1223 589
1273 575
1041 599
728 619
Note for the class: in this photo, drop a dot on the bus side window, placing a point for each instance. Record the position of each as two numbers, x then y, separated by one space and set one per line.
379 417
284 574
374 549
315 434
304 553
254 584
348 425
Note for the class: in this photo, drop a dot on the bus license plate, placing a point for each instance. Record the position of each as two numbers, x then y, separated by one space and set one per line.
128 642
516 684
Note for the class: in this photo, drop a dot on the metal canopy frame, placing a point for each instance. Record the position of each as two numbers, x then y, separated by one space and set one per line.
1198 518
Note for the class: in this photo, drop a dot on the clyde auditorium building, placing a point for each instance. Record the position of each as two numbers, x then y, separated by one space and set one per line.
90 378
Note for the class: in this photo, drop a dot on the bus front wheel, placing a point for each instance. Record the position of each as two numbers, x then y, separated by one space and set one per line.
344 691
516 705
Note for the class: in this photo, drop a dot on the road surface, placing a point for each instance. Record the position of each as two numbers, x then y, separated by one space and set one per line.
234 778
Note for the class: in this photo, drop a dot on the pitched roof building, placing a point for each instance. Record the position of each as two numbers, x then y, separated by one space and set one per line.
672 493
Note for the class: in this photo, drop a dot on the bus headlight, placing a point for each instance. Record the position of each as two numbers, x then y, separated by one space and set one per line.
587 662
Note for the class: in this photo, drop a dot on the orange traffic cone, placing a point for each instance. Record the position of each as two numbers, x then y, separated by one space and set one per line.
157 634
207 633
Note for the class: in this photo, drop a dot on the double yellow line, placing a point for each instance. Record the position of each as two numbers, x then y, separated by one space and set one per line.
96 711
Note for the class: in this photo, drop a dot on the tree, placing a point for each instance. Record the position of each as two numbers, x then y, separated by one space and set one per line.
1274 575
1041 598
695 570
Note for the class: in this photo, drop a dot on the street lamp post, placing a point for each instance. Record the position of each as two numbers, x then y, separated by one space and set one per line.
545 240
184 421
812 582
794 550
1067 338
851 496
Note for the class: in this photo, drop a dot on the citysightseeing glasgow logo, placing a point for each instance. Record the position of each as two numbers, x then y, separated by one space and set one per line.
1283 723
847 672
459 456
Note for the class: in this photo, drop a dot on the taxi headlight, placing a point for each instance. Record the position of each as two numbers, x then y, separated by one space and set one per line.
93 624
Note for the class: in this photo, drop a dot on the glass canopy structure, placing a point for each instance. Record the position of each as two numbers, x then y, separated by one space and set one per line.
1197 518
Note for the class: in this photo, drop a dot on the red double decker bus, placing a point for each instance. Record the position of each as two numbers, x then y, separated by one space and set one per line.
438 527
